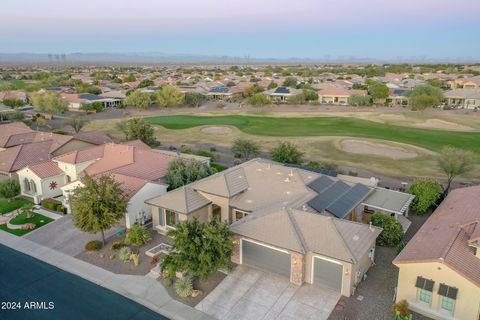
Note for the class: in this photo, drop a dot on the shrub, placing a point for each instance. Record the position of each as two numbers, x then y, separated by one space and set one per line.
426 192
400 311
124 254
137 235
400 246
52 205
208 154
93 245
258 100
118 245
9 189
184 287
286 152
134 257
392 233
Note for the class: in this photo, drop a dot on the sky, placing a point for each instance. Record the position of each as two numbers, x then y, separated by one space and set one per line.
316 29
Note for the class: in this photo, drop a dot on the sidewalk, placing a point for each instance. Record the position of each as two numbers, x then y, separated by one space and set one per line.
141 289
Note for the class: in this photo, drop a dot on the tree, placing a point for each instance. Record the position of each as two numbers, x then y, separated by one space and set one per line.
137 128
77 122
378 91
426 192
181 172
122 126
49 102
145 83
290 82
138 99
286 152
425 96
360 100
246 148
272 85
13 103
194 99
169 96
258 100
9 189
199 248
98 205
129 78
252 90
439 83
392 233
310 95
454 162
137 235
296 99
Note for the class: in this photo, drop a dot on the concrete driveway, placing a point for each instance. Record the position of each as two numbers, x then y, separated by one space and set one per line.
248 293
63 236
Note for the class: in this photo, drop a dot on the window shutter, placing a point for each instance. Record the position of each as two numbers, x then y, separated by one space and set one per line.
447 291
423 283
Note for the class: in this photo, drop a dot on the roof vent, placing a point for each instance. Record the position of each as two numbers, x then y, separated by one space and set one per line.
268 166
287 179
279 173
304 208
355 238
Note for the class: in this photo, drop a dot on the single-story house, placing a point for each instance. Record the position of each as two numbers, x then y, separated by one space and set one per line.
75 101
439 268
338 95
463 98
282 94
219 93
398 97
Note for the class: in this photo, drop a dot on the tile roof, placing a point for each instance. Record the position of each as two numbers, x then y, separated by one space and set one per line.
45 169
445 235
183 199
11 129
95 137
18 157
79 156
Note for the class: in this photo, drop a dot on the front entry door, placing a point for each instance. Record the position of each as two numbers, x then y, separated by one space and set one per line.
216 213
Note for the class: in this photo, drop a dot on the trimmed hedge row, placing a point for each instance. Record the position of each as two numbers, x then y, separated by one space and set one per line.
52 204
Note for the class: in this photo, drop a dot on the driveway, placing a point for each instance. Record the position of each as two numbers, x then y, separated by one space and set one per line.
63 236
248 293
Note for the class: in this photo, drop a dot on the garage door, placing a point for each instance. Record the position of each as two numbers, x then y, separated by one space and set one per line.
327 273
265 258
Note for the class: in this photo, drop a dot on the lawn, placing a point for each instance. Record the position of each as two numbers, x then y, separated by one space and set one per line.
328 126
38 219
8 206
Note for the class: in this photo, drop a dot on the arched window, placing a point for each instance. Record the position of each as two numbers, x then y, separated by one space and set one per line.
33 186
26 184
69 179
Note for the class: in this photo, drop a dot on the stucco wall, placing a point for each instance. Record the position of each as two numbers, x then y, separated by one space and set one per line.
221 202
137 203
467 306
43 185
73 170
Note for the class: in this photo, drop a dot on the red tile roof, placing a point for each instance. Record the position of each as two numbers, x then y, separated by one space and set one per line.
10 129
446 234
18 157
95 137
45 169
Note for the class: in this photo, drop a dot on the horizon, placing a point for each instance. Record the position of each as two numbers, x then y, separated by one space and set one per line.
245 29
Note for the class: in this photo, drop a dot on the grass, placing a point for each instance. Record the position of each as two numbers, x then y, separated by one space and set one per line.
38 219
328 126
218 167
8 206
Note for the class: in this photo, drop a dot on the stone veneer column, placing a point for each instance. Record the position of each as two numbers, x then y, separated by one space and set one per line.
236 250
298 268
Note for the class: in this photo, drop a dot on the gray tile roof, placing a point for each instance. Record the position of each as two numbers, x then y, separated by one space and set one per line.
184 200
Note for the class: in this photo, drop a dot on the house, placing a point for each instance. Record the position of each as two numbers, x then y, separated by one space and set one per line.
338 95
14 94
463 98
282 94
219 93
465 83
139 169
439 269
287 220
398 97
75 101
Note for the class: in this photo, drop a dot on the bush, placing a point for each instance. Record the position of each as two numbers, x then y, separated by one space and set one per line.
400 311
400 247
426 192
52 205
124 254
286 152
93 245
137 235
207 154
9 189
184 287
118 245
392 233
258 100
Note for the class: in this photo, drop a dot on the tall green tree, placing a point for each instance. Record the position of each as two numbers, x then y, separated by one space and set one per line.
49 102
137 128
378 91
145 83
199 248
138 99
182 172
77 122
98 205
454 162
169 96
286 152
426 192
290 82
246 148
425 96
194 99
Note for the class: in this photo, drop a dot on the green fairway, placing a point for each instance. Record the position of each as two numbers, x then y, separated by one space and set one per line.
328 126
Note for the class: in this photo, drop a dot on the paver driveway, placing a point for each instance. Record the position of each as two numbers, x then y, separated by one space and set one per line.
248 293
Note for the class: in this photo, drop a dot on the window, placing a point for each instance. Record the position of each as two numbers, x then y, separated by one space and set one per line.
216 213
425 296
240 214
69 179
447 303
170 218
26 184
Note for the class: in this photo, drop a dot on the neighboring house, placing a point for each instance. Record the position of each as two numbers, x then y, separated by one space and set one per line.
75 101
338 95
139 169
463 98
398 97
219 93
439 269
465 83
14 94
282 94
271 208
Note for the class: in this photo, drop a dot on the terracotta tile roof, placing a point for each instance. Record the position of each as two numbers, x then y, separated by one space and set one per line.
81 155
445 235
11 129
95 137
16 158
45 169
340 92
130 185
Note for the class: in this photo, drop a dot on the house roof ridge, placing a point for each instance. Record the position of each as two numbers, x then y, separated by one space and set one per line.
344 242
298 231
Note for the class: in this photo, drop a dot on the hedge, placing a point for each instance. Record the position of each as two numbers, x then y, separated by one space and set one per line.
52 204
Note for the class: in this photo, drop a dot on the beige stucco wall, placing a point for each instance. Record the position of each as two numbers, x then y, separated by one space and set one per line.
222 202
43 185
73 170
137 205
467 306
201 214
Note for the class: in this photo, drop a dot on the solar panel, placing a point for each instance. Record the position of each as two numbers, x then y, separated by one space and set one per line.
321 184
219 90
282 90
329 195
349 200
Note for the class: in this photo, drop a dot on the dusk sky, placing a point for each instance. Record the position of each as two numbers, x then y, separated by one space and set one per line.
258 28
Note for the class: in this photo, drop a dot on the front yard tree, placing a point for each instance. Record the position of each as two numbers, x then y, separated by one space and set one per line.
194 99
169 96
199 248
378 91
392 233
246 148
9 189
98 205
49 102
426 192
138 99
137 128
425 96
77 122
290 82
181 172
455 162
286 152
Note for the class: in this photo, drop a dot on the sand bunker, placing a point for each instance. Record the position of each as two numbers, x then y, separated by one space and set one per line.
376 148
442 124
216 130
397 117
